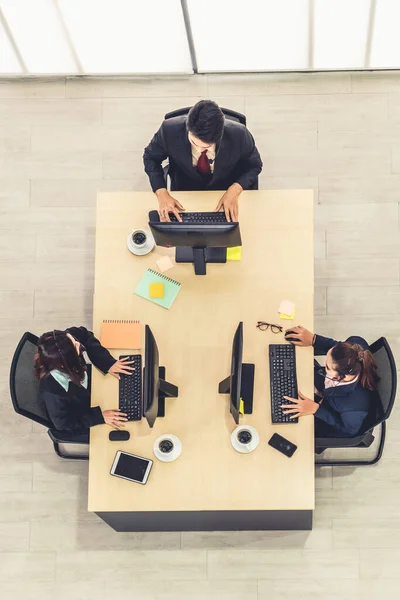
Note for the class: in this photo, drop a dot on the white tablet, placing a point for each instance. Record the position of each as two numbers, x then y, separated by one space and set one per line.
131 467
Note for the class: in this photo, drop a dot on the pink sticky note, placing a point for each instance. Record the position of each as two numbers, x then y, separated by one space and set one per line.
164 263
286 307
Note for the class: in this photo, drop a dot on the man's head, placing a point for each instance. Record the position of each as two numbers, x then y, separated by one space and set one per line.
205 124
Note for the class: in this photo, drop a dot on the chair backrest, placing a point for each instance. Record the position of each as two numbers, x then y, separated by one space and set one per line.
24 387
387 372
229 114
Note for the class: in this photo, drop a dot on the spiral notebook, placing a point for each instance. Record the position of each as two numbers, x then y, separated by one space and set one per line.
171 288
125 335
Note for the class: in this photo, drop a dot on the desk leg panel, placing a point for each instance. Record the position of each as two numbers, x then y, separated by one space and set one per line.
209 520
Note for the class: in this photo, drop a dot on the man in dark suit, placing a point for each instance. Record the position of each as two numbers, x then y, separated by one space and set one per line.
205 152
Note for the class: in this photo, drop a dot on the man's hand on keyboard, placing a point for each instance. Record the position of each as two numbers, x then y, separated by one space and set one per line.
230 202
121 366
168 204
301 406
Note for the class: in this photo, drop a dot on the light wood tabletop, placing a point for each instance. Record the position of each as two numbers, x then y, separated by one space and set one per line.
194 339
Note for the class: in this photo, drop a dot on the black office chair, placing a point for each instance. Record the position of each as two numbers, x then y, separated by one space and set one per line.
24 391
233 115
385 397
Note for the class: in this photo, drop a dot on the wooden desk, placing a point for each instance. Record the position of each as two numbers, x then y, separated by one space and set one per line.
210 486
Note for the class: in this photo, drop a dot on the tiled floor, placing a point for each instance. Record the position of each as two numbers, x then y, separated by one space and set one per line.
60 141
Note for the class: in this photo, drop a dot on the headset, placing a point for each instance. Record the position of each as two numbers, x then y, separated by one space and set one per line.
82 350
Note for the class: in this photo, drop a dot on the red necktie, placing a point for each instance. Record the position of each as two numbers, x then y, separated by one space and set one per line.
203 166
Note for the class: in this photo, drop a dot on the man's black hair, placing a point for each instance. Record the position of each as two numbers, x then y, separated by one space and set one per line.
206 121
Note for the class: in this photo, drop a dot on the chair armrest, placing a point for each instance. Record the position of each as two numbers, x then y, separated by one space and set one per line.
166 171
338 442
342 442
58 439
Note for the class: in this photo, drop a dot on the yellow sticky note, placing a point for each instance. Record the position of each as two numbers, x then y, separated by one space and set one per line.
156 290
241 406
291 317
234 253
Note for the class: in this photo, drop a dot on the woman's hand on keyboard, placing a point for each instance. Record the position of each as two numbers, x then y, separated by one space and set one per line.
300 407
121 366
115 418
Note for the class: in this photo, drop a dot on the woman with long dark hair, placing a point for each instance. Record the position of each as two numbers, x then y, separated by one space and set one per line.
64 386
344 388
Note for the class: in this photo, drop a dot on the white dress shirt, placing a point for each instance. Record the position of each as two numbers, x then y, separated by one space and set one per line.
196 152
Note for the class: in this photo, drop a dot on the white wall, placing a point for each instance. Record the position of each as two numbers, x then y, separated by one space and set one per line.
149 36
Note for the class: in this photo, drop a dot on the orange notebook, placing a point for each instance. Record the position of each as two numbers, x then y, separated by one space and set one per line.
121 334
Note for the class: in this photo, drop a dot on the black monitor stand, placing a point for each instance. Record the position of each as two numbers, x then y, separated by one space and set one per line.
200 257
246 388
166 390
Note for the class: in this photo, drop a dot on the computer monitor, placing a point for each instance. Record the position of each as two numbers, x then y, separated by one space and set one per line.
240 384
155 387
197 243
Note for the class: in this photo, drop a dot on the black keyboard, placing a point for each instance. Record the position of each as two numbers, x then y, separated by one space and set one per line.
282 371
130 389
200 218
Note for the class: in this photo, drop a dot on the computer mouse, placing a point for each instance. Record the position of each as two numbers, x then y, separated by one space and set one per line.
290 339
119 436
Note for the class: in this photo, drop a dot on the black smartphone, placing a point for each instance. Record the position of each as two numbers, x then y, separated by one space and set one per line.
282 445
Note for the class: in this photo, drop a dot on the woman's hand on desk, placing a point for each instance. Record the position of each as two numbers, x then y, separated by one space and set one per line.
115 418
301 406
121 366
300 336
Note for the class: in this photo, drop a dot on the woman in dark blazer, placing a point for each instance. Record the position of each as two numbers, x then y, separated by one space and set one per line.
343 389
64 388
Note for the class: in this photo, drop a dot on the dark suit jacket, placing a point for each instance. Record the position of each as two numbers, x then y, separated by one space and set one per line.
237 158
344 409
70 411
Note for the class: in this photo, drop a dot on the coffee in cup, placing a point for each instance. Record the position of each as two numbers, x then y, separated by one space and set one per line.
244 436
139 238
166 446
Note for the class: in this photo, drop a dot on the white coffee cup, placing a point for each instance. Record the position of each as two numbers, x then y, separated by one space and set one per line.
245 439
140 241
167 448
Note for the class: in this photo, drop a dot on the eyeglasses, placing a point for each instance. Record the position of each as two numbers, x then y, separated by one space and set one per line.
274 328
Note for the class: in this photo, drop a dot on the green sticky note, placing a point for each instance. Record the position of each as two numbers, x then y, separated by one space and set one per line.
234 253
241 406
